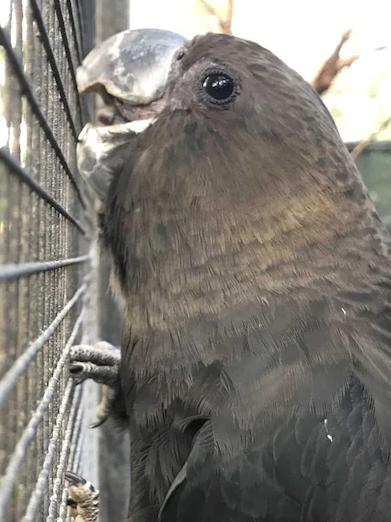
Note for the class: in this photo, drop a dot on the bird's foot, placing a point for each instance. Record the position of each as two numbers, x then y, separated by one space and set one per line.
83 498
100 362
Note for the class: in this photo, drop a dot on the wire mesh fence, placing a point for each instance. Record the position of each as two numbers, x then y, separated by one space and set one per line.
46 271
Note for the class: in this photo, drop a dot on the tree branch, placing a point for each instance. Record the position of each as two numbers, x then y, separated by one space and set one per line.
364 143
224 23
333 66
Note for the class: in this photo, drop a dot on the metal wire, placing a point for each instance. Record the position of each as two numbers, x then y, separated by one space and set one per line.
41 484
16 169
74 31
9 478
68 53
9 272
52 61
55 499
81 24
27 91
72 436
10 379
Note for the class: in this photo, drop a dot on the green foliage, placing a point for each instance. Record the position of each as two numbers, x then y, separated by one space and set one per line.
374 164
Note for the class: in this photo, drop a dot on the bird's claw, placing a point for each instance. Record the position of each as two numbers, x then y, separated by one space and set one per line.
82 499
100 362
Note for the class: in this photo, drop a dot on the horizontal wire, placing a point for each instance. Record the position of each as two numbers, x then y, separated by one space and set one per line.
20 365
53 64
68 54
27 91
14 271
19 454
18 170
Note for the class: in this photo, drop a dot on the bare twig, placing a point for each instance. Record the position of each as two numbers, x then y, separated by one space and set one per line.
364 143
224 23
332 66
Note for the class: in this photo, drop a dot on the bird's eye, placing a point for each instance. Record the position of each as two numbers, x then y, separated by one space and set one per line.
219 86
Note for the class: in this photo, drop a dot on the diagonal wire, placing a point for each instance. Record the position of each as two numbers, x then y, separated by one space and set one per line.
68 54
47 467
52 61
15 271
80 23
11 474
61 468
19 171
21 364
42 480
74 31
27 91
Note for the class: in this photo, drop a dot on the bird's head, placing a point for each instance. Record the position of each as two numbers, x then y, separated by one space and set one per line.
222 104
235 147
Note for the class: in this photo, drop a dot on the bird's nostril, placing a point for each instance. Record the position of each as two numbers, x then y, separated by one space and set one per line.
76 368
106 116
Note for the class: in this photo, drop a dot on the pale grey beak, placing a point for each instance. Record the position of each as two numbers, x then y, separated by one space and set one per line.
130 72
131 66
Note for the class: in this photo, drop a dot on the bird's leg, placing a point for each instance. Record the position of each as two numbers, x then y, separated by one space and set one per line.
100 362
83 498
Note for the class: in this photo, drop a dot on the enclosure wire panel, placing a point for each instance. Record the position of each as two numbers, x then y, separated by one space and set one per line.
46 261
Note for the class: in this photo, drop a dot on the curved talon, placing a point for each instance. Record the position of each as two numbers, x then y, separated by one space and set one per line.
100 362
102 374
83 498
104 408
81 371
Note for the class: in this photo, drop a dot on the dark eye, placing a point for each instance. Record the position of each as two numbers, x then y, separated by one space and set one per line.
219 86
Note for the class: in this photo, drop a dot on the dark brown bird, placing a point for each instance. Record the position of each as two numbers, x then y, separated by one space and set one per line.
255 273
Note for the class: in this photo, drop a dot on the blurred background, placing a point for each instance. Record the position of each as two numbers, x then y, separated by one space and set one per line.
303 33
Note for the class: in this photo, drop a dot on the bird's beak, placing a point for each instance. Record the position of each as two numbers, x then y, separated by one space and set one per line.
131 68
130 71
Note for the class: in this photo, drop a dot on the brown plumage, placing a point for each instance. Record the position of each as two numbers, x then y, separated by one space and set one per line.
257 323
